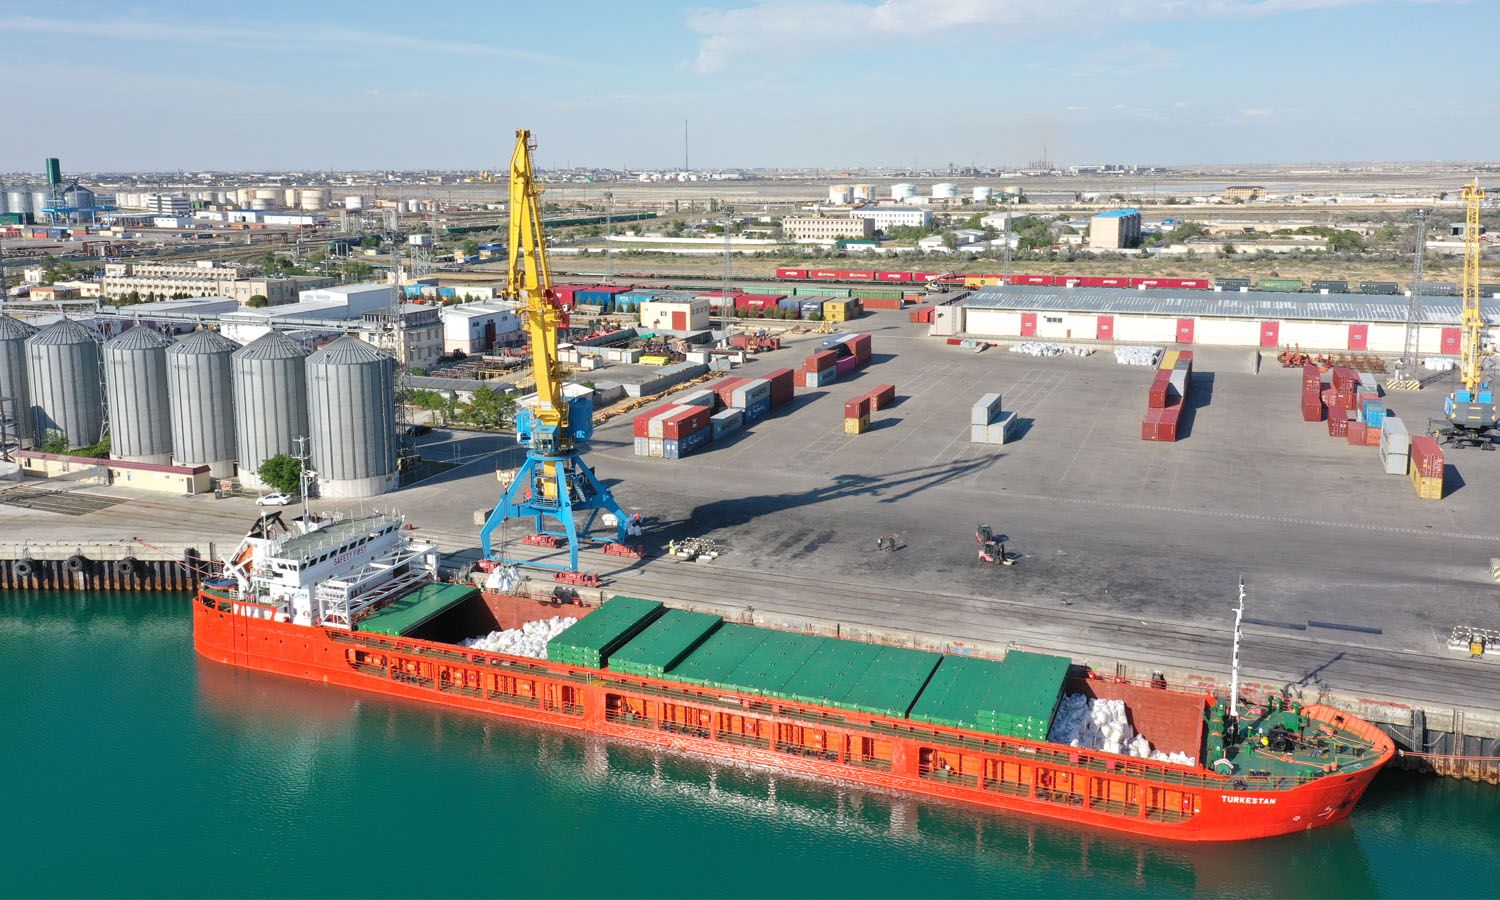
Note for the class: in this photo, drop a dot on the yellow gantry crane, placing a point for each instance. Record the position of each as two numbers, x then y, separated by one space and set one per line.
1471 409
553 484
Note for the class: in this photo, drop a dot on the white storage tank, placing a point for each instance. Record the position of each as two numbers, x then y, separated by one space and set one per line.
270 402
864 192
354 201
944 190
289 198
243 196
983 194
840 194
13 335
202 402
63 372
351 407
314 199
135 382
903 191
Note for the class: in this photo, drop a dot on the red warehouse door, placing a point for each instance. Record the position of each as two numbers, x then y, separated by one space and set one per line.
1106 330
1359 337
679 321
1184 331
1270 334
1028 324
1453 340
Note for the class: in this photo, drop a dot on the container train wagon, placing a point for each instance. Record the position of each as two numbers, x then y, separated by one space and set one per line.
877 276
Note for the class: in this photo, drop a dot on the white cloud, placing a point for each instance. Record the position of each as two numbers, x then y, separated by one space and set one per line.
780 29
297 36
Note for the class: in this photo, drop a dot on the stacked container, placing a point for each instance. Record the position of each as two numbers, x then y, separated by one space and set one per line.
1427 468
685 430
1395 446
988 424
1166 396
857 415
1312 393
782 384
820 369
840 309
753 397
725 422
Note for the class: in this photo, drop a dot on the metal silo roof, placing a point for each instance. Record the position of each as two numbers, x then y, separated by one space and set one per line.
63 332
346 351
12 329
204 342
271 345
138 338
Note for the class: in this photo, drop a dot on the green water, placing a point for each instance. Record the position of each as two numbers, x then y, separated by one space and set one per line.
133 768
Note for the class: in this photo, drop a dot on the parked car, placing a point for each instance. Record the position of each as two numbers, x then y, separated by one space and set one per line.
279 498
417 430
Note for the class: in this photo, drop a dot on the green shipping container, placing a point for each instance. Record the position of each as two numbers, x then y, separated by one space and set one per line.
664 643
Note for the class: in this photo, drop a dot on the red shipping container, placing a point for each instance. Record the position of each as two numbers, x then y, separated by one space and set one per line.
881 303
791 273
724 389
846 365
689 420
642 418
823 274
893 276
857 408
1166 430
1427 456
1149 424
781 386
857 274
1338 421
824 359
1312 412
882 396
1356 433
861 345
1311 374
1372 437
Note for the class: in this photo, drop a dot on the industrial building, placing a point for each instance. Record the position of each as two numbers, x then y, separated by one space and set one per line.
826 228
1265 319
351 391
332 308
204 279
675 315
411 332
1115 229
884 218
1245 192
473 328
156 477
168 205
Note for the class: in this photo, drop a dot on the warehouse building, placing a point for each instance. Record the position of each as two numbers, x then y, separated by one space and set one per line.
1352 322
884 218
825 228
1116 229
474 328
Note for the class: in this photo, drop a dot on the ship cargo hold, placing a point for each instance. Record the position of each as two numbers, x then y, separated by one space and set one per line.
353 604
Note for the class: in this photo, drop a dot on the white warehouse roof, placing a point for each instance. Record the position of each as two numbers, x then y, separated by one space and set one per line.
1221 304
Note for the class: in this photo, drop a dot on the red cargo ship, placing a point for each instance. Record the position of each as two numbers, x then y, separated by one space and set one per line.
354 604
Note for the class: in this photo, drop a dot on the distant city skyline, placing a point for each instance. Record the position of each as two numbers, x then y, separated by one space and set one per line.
166 86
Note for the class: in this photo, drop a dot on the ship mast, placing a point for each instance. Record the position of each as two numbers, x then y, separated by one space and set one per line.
1234 668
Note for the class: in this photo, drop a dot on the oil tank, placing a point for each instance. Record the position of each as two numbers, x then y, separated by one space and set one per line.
243 196
289 198
983 194
903 191
202 402
314 199
944 190
62 370
13 335
135 384
270 401
351 407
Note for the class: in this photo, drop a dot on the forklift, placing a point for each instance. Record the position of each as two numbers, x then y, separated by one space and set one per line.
992 547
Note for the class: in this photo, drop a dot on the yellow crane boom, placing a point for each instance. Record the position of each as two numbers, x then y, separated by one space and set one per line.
529 280
1472 352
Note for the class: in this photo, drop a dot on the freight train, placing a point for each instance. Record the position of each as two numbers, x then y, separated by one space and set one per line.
1292 285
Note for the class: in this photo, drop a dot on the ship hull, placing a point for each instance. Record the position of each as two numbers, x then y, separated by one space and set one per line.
1051 781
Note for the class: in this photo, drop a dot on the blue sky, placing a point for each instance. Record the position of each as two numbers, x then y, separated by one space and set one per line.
837 83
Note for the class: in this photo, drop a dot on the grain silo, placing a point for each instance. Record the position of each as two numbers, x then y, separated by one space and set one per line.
351 406
135 384
13 335
202 402
270 401
63 372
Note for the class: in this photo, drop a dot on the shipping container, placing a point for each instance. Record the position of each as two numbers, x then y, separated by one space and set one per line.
856 425
756 410
685 421
857 407
726 422
1426 456
846 365
753 391
794 274
724 390
590 640
781 386
687 443
893 276
883 397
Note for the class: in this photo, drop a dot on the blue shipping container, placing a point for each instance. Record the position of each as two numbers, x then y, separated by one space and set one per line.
447 292
758 410
1374 413
680 448
726 422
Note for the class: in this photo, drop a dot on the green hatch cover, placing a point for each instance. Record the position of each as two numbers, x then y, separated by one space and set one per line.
406 614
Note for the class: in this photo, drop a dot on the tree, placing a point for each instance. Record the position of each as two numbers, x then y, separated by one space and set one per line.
357 270
369 242
429 401
1228 250
282 472
489 408
258 301
470 248
54 442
